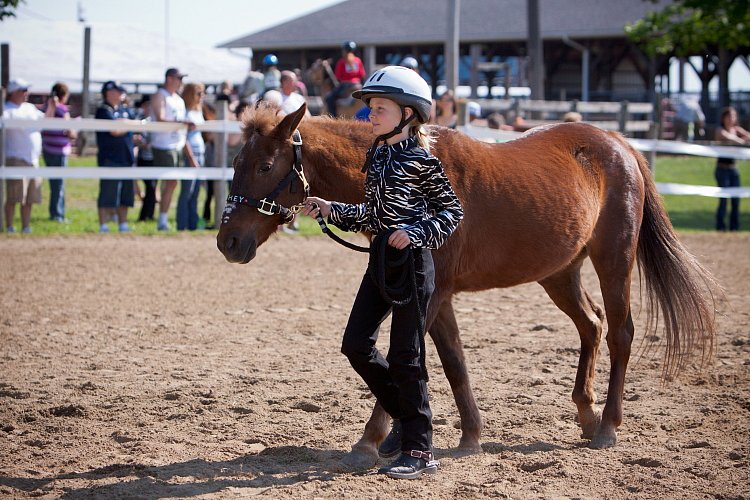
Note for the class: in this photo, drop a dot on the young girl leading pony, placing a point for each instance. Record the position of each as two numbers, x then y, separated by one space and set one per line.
411 209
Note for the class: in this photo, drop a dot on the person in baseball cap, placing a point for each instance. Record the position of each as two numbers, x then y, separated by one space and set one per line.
112 85
175 73
18 84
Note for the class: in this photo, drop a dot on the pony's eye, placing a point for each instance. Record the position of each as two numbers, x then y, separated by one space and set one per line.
266 167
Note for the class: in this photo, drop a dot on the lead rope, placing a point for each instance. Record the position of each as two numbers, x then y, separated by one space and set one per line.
377 267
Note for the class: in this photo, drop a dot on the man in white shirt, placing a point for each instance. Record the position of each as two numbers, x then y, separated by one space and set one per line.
291 100
167 147
22 149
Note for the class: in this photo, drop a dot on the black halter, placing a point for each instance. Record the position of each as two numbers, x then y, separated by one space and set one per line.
267 205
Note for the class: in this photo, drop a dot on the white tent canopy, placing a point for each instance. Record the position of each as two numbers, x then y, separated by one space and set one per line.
43 52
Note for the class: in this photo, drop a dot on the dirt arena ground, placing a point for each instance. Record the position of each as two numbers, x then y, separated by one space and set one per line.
149 367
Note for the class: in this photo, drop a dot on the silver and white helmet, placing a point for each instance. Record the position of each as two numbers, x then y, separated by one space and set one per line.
401 85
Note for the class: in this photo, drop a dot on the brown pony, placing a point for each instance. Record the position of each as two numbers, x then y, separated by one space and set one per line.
535 208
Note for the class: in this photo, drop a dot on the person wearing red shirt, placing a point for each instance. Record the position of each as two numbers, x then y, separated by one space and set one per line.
350 72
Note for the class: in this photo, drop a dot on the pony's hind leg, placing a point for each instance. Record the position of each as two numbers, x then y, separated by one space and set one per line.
613 256
567 292
620 331
445 334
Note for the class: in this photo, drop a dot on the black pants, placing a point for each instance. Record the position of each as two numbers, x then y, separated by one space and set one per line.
398 381
728 177
149 193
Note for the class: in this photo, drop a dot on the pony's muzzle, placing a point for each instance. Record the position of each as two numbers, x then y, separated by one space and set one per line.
235 249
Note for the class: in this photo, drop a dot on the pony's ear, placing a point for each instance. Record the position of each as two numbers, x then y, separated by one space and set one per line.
289 124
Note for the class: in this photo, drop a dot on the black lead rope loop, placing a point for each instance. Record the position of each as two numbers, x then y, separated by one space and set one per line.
396 278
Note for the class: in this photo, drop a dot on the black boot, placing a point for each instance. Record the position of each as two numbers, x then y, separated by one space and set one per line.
391 445
411 465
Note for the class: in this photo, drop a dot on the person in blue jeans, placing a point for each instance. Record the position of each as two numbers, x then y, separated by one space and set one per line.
726 173
195 154
56 148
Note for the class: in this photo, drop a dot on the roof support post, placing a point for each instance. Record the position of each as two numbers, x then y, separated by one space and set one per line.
451 44
535 50
475 50
370 63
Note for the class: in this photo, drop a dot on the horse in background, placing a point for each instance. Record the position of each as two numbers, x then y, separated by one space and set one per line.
535 208
321 76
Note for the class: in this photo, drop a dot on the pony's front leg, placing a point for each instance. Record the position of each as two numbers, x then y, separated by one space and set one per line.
445 334
364 454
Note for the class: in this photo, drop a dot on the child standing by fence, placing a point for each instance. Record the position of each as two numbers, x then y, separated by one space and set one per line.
410 208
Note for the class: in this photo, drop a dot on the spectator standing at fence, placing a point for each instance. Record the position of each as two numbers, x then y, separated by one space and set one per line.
209 138
167 147
689 120
22 149
299 84
56 148
446 114
145 158
195 154
291 99
474 110
727 174
115 149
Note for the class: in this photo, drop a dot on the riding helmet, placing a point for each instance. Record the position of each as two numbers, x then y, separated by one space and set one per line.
401 85
270 60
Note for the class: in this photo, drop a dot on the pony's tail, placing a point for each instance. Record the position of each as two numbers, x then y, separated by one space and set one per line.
676 283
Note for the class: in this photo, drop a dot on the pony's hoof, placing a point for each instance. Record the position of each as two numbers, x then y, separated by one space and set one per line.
601 441
465 451
360 459
591 425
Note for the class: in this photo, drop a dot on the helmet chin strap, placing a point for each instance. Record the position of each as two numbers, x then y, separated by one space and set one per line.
382 138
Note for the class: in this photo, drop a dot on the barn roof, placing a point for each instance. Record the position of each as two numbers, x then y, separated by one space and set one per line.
421 22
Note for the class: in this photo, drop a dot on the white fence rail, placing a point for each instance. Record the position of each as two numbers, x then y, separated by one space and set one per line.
232 127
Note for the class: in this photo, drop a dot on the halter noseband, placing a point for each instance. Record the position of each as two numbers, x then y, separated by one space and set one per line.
267 205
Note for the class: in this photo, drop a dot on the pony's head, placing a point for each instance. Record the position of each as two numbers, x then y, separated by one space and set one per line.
265 184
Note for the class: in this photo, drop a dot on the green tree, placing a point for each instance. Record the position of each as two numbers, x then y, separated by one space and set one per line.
8 7
689 27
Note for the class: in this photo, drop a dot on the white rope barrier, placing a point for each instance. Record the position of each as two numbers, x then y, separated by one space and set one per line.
170 173
159 173
92 124
711 191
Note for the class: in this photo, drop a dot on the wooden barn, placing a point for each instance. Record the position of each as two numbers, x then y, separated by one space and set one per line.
584 43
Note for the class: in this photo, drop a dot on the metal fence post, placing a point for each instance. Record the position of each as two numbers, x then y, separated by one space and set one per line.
220 187
2 161
623 118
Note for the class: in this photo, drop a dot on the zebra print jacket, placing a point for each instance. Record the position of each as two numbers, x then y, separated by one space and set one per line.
405 188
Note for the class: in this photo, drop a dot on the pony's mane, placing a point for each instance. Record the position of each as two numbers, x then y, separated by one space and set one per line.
260 119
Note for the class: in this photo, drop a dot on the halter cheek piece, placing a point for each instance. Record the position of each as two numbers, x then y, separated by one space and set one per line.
267 205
